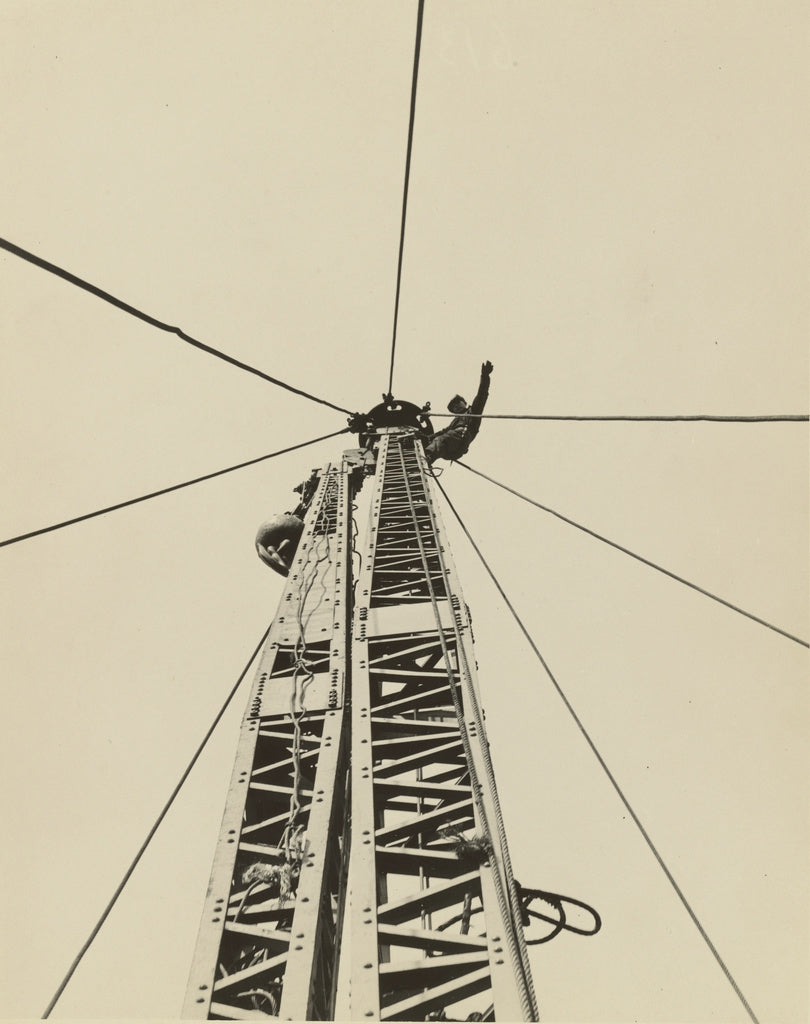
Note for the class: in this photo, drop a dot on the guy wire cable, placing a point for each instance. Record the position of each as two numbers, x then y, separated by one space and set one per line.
127 875
779 418
603 764
639 558
167 490
66 275
417 48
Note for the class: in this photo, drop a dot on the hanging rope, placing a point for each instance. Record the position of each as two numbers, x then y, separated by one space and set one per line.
639 558
37 261
255 994
302 677
417 48
633 419
603 765
167 490
559 923
153 830
277 880
356 551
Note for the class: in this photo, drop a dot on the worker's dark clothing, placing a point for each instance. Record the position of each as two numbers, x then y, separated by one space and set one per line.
455 440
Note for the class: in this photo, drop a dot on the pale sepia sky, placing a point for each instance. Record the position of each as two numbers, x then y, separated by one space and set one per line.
608 200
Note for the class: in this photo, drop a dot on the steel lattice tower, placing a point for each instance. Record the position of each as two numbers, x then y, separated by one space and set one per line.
362 861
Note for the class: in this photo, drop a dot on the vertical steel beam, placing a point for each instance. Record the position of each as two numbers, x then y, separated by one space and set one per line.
435 926
268 941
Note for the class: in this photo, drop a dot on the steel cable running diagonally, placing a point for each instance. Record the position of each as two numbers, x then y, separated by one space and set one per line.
168 490
509 909
100 293
594 749
417 48
150 835
195 757
640 558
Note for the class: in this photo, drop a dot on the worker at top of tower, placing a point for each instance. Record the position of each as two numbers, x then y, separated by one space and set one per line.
455 440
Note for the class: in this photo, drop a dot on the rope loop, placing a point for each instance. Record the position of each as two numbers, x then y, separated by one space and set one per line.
560 922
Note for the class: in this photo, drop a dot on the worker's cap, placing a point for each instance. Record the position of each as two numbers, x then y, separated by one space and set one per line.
456 403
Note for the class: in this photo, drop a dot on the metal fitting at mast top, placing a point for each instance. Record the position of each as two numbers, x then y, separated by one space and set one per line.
391 412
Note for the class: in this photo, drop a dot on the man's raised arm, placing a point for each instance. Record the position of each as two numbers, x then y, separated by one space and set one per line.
480 399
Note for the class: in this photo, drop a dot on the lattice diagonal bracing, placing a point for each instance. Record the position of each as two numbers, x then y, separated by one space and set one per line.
362 865
432 923
268 942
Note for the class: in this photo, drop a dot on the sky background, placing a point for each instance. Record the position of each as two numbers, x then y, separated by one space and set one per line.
608 200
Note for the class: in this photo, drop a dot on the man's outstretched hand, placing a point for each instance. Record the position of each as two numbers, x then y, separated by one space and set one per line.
486 368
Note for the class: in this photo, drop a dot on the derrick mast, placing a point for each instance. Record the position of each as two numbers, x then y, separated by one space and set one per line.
268 939
362 862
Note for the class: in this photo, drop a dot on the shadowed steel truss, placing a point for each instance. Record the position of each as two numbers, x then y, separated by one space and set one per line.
433 921
399 791
268 940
